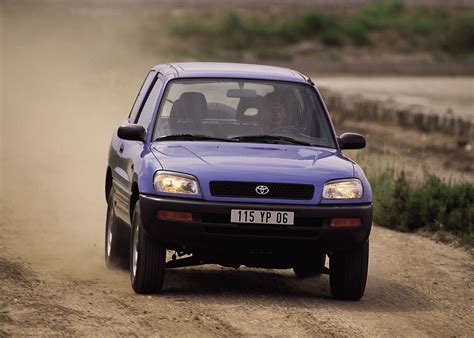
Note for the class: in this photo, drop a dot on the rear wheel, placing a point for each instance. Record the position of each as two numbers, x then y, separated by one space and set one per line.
147 259
310 267
348 273
116 238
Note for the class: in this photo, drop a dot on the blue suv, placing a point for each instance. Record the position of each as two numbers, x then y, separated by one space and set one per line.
235 164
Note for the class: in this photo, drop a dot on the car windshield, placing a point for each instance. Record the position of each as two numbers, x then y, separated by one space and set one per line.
242 111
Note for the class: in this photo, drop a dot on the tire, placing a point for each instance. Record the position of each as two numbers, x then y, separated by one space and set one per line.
116 239
310 268
348 273
147 259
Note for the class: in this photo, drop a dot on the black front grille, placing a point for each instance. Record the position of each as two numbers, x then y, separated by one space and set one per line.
275 190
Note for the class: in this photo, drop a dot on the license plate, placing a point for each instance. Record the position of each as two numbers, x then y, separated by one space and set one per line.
262 217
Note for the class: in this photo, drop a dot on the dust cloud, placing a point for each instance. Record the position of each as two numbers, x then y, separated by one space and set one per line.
70 72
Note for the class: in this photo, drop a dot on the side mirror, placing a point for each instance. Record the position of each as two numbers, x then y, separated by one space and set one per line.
132 132
351 141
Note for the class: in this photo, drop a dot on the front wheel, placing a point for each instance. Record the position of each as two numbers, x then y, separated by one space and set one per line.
147 259
348 272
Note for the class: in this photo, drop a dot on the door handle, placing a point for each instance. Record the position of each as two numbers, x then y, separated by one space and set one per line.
121 148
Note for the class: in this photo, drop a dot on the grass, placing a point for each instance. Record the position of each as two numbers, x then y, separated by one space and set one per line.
431 204
412 198
417 28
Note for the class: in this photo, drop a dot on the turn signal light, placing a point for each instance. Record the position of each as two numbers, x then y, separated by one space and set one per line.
345 222
167 215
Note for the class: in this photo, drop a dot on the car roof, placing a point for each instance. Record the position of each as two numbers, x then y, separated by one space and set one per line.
230 70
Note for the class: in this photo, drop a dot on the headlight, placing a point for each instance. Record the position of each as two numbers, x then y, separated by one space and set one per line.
343 189
177 183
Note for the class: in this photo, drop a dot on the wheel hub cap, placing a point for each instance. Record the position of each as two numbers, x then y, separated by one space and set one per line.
135 250
109 235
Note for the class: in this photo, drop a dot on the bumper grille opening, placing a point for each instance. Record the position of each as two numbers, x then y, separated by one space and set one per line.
275 190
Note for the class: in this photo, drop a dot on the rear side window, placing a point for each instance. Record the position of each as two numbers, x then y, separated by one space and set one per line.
149 106
132 117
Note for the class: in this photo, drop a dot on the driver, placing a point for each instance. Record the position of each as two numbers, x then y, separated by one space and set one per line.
280 114
275 114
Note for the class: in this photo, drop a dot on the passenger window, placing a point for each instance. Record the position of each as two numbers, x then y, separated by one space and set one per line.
132 117
149 107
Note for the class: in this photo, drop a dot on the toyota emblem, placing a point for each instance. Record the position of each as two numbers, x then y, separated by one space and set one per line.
262 190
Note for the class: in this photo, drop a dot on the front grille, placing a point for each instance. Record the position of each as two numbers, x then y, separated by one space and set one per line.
275 190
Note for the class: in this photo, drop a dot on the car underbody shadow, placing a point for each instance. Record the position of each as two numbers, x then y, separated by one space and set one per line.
281 286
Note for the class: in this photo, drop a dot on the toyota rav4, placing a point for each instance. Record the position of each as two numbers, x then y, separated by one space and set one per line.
235 164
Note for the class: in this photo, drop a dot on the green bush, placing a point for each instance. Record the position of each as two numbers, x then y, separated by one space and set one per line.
332 37
459 37
432 204
315 22
290 31
419 24
358 33
379 15
235 29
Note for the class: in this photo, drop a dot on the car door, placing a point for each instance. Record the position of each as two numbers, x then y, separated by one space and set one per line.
118 154
131 151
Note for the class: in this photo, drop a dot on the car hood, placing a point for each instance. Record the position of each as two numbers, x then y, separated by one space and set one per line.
264 163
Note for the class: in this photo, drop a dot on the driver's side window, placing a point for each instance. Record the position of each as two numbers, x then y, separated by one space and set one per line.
138 104
150 105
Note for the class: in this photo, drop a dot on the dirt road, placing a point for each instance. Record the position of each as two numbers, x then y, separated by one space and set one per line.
416 288
68 77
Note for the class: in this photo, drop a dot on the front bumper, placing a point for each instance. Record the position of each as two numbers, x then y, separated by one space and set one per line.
211 229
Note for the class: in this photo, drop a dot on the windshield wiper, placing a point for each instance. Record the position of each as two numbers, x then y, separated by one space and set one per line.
192 137
270 139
